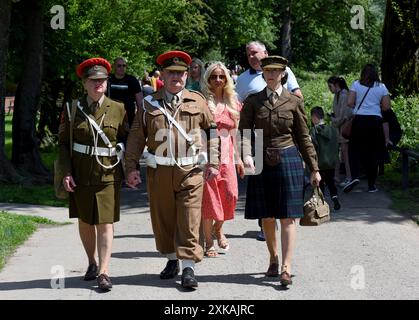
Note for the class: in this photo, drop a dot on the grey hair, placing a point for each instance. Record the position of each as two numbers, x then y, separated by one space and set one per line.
256 43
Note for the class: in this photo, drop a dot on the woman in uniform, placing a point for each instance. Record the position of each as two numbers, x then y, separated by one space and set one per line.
277 192
93 171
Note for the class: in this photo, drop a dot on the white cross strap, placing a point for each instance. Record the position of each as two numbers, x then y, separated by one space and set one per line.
156 104
98 129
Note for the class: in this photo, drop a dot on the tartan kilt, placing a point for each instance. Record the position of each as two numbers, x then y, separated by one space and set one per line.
277 192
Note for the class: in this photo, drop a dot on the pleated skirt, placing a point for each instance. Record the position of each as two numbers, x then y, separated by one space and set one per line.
277 192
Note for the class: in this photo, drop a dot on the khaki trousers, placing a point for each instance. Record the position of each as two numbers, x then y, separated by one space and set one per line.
175 197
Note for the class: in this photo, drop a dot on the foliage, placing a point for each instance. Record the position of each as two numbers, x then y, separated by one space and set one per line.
407 111
404 201
323 38
315 90
14 230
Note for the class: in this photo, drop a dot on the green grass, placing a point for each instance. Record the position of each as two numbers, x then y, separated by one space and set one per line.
16 229
403 201
38 195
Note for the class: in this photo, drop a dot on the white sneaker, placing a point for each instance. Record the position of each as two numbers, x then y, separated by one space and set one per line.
349 186
344 182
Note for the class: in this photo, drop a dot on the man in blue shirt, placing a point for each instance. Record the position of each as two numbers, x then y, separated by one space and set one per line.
251 81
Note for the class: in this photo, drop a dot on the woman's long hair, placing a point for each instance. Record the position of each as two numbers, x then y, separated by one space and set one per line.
201 65
229 94
369 75
340 81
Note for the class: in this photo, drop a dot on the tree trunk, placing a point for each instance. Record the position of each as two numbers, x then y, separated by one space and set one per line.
286 49
25 152
7 171
400 58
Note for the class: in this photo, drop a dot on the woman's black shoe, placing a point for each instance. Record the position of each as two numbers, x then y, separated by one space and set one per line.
91 272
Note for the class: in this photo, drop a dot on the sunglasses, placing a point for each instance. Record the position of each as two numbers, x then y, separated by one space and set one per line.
216 76
121 65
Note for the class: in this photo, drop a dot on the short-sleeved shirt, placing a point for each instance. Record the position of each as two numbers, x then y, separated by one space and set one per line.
124 90
251 81
371 106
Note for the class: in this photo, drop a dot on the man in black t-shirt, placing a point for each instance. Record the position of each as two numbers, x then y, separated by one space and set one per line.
125 88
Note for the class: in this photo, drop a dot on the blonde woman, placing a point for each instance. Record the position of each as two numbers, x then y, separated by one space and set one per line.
220 194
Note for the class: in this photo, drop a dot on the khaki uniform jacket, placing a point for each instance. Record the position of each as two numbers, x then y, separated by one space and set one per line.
193 115
284 124
84 168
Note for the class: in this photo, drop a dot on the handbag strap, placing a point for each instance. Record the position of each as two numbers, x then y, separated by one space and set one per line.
71 117
357 109
319 194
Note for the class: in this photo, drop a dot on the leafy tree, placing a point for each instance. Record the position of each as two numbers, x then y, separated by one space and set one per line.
7 172
25 150
400 62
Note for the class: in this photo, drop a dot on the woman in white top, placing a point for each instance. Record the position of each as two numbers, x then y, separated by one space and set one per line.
368 96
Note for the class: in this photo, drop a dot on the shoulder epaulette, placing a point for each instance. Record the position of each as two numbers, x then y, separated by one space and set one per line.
197 92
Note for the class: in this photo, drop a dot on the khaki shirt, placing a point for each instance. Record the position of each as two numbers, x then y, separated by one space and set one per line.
284 124
192 114
84 168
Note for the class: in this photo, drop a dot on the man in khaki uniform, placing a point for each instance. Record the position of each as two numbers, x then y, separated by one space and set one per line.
170 118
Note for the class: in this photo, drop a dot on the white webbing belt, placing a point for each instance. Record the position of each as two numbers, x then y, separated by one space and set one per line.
91 150
183 161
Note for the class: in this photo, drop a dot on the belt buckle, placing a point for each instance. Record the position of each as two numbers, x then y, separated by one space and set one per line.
91 150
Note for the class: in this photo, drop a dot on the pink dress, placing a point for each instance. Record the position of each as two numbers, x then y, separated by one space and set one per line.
220 194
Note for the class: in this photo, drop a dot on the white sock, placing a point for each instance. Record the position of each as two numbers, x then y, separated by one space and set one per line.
171 256
188 264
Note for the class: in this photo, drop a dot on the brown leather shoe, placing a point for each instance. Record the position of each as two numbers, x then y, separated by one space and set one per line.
285 277
104 282
273 270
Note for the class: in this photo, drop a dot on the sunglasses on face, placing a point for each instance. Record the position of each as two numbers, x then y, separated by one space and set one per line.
121 65
216 76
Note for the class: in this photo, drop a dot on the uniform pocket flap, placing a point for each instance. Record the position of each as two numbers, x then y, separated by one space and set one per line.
191 109
284 115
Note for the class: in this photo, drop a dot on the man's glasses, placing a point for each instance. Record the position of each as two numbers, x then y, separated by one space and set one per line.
216 76
121 65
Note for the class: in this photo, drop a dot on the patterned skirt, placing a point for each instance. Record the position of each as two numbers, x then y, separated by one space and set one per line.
277 192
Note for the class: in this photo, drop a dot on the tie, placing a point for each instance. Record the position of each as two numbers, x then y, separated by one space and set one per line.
273 98
174 102
94 107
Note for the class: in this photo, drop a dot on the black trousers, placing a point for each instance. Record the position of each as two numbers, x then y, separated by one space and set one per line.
328 179
366 147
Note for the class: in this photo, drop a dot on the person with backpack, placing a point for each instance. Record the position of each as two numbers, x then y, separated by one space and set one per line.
325 140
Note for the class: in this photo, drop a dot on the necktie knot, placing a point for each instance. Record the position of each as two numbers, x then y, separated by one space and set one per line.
174 101
94 106
273 98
